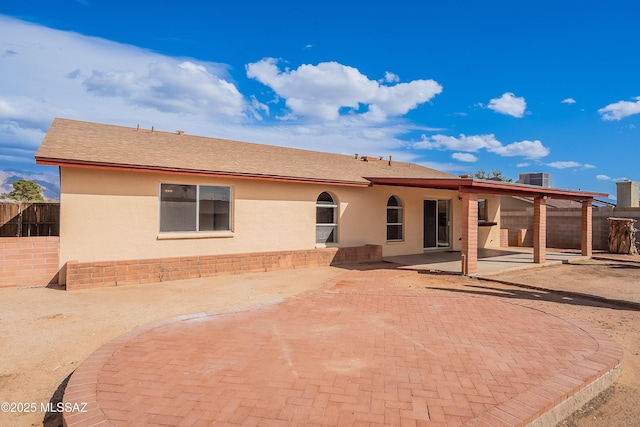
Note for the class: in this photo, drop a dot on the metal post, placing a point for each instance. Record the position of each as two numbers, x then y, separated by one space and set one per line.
464 264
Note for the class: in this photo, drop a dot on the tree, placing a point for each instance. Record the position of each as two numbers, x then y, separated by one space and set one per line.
26 191
495 175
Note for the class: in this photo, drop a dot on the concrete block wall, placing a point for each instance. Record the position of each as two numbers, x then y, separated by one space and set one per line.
514 220
28 261
564 226
115 273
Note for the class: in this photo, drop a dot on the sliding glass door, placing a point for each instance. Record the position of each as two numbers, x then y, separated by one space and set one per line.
437 224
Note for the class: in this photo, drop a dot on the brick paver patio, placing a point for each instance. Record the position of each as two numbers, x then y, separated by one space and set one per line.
359 352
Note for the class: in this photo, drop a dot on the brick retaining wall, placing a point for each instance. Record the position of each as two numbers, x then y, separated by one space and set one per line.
84 275
28 261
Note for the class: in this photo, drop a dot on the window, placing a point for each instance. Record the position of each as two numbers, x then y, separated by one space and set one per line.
394 218
194 208
326 219
482 210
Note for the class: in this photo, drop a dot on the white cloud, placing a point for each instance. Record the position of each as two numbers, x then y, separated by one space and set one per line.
588 166
257 107
508 104
25 112
185 87
620 110
569 164
391 77
564 165
321 91
93 79
568 101
453 168
523 165
603 177
474 143
471 143
464 157
528 149
24 121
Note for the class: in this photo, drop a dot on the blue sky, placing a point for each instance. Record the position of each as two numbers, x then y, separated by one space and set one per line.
455 85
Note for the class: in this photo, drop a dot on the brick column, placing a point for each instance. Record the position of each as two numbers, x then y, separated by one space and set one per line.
469 233
587 228
539 230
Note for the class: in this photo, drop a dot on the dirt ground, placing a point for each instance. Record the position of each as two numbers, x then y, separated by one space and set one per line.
46 333
611 280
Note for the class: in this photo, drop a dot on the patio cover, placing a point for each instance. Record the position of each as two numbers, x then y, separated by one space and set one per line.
469 189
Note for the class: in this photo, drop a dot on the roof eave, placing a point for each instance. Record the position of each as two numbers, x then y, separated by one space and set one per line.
492 187
439 183
192 172
504 188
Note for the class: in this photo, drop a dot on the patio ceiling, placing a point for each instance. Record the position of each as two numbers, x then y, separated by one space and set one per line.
469 185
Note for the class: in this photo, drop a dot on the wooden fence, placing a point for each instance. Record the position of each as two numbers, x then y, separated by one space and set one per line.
29 220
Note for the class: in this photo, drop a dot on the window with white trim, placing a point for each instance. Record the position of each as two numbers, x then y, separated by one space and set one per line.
326 219
395 219
194 208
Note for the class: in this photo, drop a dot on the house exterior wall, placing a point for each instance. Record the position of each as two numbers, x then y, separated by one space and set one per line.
111 215
371 203
489 235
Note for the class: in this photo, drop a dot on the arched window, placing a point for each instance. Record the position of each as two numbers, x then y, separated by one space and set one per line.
394 218
326 219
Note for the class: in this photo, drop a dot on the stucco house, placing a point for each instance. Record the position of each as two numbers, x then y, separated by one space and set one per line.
141 206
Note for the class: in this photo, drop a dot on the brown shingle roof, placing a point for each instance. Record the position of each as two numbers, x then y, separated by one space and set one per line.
84 143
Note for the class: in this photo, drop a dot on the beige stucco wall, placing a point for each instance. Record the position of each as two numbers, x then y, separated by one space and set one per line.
113 215
364 215
489 235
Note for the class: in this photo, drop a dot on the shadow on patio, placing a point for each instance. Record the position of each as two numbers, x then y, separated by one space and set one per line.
490 261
